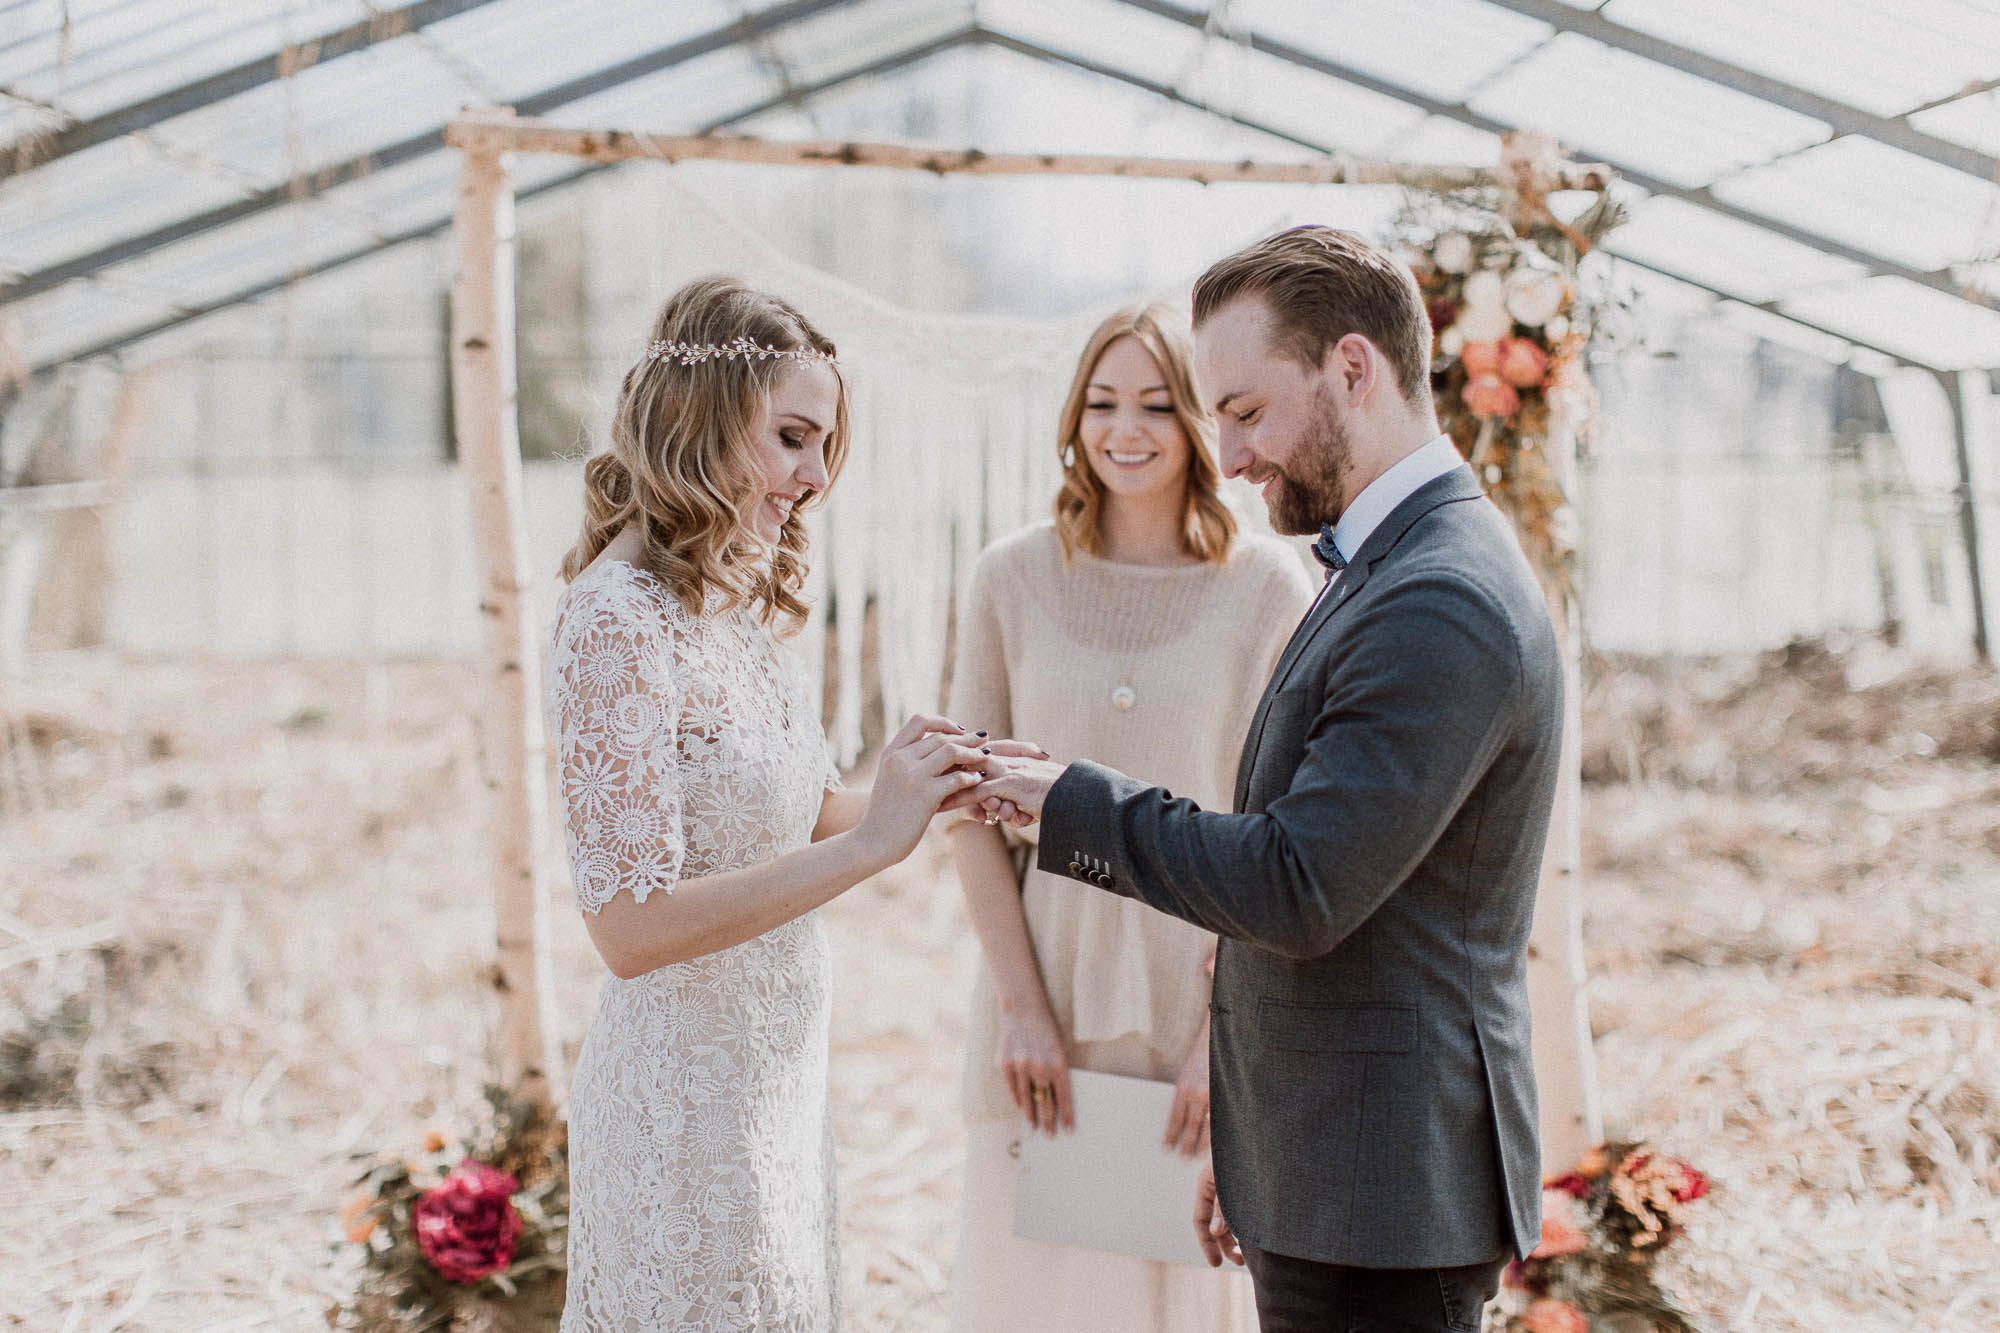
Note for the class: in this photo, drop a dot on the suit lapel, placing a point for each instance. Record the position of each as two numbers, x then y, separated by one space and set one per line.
1345 584
1457 484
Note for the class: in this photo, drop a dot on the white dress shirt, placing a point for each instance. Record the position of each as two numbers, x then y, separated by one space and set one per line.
1381 496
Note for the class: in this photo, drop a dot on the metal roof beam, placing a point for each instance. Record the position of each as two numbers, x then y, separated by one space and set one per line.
312 183
1027 48
1878 265
119 342
970 36
1969 90
15 43
988 37
1896 132
36 149
1776 309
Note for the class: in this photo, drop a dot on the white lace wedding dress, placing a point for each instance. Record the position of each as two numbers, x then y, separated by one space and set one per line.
701 1155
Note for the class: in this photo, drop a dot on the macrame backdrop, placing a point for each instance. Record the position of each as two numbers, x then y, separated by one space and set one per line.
954 442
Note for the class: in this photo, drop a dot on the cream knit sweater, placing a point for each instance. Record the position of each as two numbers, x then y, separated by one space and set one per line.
1047 653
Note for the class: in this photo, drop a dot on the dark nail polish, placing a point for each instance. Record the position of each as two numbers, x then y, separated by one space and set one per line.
984 750
979 733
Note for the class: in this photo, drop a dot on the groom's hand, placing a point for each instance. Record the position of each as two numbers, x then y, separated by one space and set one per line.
1218 1242
1017 777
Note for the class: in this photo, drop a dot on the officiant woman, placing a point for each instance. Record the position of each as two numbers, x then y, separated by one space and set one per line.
1138 628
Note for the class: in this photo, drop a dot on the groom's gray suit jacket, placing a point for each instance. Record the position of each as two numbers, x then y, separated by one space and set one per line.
1373 1094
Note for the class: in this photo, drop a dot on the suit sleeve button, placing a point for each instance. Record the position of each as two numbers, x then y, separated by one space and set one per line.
1075 868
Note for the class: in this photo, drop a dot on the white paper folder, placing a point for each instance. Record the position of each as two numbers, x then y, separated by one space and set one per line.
1110 1185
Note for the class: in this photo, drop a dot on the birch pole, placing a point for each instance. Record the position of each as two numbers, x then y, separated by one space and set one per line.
492 132
489 456
1565 1062
1565 1059
1565 1065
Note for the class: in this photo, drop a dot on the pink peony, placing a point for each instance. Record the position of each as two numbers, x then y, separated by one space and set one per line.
1491 396
1523 364
1549 1315
467 1226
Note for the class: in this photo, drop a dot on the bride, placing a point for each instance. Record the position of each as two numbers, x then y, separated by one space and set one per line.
704 826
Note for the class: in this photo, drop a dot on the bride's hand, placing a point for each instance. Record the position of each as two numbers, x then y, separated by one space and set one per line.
994 810
923 764
1017 775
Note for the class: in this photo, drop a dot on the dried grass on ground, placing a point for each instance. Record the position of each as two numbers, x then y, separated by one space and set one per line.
243 924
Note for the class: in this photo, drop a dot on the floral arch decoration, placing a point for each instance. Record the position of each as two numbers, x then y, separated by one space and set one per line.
1510 324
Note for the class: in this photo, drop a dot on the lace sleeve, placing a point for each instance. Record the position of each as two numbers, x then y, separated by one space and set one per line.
616 717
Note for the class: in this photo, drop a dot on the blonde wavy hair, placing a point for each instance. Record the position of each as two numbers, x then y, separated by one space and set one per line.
1207 526
682 461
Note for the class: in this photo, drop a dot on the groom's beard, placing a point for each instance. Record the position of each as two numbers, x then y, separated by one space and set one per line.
1312 486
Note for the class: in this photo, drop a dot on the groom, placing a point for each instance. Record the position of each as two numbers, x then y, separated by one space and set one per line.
1374 1121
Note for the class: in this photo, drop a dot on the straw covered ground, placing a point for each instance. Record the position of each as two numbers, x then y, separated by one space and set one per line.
243 923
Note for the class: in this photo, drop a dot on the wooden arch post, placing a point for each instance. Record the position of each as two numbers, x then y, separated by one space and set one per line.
513 745
1565 1061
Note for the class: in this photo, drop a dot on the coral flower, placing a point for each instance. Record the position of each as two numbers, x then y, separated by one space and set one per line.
1549 1315
1559 1236
1481 358
1522 363
358 1218
1491 396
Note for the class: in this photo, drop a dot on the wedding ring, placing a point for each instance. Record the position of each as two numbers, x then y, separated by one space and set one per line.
1043 1092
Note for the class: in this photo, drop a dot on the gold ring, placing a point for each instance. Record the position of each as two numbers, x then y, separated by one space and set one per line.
1043 1092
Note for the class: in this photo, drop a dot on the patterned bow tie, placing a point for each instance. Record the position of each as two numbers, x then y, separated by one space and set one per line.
1327 553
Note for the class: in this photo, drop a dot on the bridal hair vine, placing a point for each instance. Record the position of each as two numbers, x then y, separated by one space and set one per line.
736 349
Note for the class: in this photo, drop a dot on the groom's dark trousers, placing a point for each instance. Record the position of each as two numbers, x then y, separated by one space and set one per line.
1373 1095
1300 1296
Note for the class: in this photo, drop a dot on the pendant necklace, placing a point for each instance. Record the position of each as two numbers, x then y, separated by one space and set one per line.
1123 697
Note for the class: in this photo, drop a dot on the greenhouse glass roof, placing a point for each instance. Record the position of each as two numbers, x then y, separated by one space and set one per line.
1831 164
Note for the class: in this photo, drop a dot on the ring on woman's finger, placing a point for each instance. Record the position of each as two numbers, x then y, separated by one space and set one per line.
1043 1092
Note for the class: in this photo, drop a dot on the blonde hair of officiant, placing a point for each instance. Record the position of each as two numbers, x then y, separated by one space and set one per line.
682 459
1207 526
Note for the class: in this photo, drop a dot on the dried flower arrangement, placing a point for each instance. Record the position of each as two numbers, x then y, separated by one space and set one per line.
1604 1226
467 1237
1510 322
